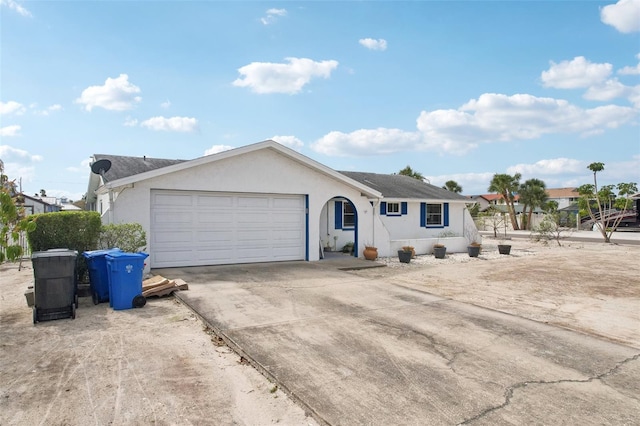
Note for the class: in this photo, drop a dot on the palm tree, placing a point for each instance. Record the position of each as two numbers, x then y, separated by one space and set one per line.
408 171
507 185
532 194
452 185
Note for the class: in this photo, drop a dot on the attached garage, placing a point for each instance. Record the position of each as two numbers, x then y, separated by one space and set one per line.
191 228
257 203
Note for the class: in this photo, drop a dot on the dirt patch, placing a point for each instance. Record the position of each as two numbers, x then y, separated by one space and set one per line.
155 365
589 287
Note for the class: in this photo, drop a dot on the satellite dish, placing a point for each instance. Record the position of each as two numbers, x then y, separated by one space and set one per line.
101 167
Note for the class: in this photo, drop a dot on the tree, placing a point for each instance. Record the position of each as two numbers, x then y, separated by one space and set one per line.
43 193
507 185
452 185
532 194
12 220
408 171
605 208
554 225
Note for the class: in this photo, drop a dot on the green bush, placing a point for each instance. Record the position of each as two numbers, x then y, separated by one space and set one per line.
128 237
72 230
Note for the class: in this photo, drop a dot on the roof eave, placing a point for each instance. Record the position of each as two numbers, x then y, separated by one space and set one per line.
268 144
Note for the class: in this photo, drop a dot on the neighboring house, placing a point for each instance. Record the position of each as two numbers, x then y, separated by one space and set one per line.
265 202
565 197
36 205
482 201
497 199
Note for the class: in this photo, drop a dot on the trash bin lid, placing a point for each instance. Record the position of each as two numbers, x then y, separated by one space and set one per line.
122 255
54 253
95 253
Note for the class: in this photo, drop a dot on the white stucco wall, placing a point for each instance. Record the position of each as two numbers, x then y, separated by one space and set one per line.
265 171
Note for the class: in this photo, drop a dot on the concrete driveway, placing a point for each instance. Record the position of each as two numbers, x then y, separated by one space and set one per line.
354 350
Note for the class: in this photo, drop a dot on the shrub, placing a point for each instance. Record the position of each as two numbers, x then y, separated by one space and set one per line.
128 237
71 230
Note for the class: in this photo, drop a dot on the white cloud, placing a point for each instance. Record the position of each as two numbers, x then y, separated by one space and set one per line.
48 110
624 16
490 118
608 90
9 153
496 117
117 94
290 141
554 166
373 44
166 104
14 5
9 131
130 122
366 142
215 149
576 73
11 107
291 77
173 124
272 15
631 70
83 168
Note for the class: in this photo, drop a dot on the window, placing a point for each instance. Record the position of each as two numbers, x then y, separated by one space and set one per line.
393 208
348 216
434 214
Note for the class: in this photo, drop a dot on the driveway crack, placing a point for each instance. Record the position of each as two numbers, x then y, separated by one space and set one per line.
508 394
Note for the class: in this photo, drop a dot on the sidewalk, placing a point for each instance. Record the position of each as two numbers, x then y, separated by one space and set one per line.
624 237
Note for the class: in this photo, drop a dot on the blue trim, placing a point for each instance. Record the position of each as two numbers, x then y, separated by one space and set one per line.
403 208
306 224
338 214
383 208
423 215
445 214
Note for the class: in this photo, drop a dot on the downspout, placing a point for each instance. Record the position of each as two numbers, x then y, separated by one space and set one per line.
111 204
376 203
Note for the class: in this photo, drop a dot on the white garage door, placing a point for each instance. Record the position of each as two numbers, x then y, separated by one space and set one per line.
213 228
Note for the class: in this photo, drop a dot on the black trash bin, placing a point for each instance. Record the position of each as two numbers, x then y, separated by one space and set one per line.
55 285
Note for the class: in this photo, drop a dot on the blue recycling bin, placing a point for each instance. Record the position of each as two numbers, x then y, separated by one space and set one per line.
125 271
98 276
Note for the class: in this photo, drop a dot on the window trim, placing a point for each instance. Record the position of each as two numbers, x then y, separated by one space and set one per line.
346 214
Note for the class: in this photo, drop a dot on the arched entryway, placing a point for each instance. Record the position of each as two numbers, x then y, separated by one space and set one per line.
339 226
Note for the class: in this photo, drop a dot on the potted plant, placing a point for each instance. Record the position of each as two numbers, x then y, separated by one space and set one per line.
405 254
504 248
439 250
474 249
411 249
370 252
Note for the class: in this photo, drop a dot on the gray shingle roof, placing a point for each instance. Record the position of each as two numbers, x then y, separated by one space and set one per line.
401 186
124 166
391 186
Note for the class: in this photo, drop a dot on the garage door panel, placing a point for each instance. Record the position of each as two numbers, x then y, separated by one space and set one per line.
178 200
223 202
201 228
215 237
287 203
215 219
253 202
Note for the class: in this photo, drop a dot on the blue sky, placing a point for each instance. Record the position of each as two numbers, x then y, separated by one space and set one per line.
457 90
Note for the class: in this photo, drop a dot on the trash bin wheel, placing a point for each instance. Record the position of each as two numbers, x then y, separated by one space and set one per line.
94 297
35 315
139 301
73 311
